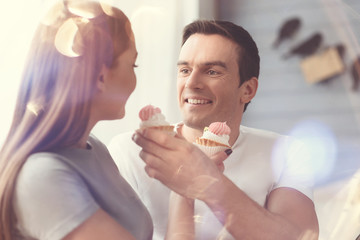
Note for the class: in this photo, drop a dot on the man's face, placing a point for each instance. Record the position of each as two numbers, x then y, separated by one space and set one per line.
208 81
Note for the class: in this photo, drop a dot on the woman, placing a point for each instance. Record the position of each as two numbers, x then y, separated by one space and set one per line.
56 180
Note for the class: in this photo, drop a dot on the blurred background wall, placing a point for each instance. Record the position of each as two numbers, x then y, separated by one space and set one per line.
286 102
326 114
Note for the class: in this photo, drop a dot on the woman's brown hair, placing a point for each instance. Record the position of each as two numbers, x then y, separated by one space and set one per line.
69 48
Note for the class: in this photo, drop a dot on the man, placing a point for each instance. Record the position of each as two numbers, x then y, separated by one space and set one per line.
265 189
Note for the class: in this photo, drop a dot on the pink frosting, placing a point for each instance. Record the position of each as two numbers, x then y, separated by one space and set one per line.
219 128
148 111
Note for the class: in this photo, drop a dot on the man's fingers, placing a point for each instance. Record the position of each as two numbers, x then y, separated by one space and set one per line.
160 143
150 159
147 145
159 137
179 136
219 157
151 172
154 173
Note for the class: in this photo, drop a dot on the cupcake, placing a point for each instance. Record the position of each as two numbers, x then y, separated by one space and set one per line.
151 117
215 138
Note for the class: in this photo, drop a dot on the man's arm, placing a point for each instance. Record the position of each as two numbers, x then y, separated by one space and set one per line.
297 209
288 213
186 170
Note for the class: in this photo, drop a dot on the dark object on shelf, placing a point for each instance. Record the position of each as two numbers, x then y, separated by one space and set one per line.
355 72
341 49
307 47
287 30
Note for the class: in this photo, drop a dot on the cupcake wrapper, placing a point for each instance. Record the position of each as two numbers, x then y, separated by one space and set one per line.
209 142
209 151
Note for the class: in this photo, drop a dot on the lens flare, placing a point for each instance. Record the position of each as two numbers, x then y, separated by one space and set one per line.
320 146
65 38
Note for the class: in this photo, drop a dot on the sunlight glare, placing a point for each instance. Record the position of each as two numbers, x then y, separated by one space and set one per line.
320 145
18 20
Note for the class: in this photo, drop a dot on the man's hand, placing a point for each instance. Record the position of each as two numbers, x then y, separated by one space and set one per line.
178 164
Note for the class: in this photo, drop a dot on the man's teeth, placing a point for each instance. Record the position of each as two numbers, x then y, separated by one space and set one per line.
197 101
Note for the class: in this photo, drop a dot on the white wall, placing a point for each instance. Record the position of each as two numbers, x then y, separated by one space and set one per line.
18 20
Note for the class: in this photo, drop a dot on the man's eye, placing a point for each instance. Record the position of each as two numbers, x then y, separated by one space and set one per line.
212 72
184 71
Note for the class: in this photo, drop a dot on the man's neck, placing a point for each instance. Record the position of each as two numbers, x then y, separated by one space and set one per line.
190 134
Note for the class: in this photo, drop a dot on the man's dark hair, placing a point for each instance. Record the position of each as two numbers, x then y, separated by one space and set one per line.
248 53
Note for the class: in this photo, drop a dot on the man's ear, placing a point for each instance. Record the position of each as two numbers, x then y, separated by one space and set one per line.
248 90
100 81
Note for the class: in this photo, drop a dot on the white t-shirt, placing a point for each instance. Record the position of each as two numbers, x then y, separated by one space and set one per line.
261 162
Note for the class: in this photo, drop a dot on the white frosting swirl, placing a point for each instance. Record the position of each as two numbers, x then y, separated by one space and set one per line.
224 139
157 119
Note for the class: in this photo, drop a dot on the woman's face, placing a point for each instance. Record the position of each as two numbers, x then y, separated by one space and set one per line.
119 83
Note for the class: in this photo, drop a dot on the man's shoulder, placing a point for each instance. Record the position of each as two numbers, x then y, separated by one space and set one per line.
260 133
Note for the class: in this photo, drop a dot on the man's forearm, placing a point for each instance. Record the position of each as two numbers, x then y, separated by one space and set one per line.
245 219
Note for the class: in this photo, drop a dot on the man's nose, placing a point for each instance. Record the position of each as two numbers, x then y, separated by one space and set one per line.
194 80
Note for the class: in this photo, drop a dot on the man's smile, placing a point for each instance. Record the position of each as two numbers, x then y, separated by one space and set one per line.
195 101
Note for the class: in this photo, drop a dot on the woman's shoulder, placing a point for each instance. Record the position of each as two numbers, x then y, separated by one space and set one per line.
94 141
43 160
44 184
43 166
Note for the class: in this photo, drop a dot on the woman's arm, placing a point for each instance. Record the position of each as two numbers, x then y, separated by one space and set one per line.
181 224
181 218
99 226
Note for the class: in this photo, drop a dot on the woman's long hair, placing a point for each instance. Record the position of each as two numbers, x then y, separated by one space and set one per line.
69 48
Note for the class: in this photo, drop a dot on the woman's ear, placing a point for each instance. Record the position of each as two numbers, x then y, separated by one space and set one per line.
100 81
248 90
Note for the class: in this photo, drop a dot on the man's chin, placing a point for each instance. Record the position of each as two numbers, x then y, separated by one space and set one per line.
196 123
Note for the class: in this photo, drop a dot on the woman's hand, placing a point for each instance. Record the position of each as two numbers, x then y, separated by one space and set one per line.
178 164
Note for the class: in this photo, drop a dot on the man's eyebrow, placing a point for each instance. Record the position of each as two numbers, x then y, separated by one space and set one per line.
213 63
216 63
182 63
